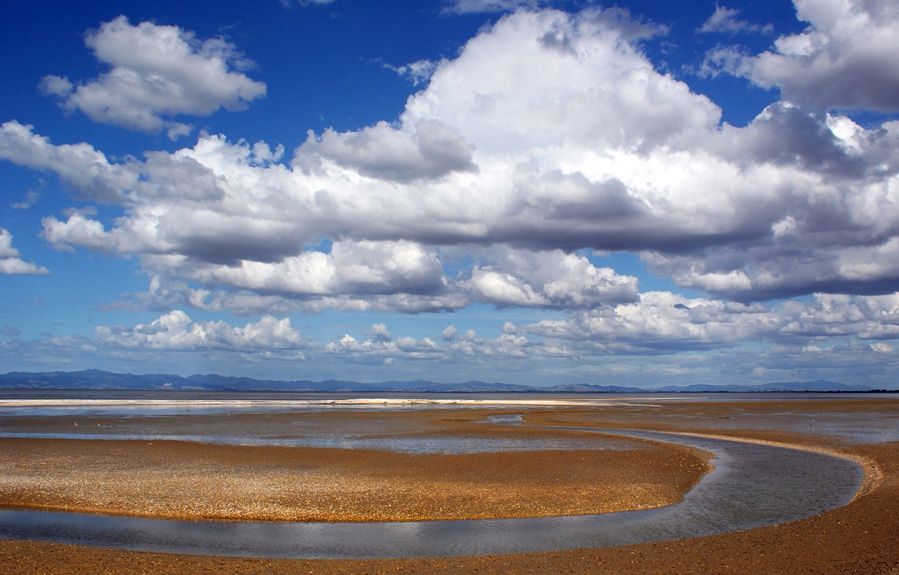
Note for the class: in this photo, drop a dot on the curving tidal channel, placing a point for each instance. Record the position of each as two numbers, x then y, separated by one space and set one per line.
751 486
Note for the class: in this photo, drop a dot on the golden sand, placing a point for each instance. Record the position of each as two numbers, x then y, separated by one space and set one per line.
190 480
858 539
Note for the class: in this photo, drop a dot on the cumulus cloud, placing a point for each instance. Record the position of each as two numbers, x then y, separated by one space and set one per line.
378 346
177 331
662 321
726 20
10 263
845 58
461 347
78 230
363 267
157 72
548 134
872 317
690 339
79 165
547 279
430 150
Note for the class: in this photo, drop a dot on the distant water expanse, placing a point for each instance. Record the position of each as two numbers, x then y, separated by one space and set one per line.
60 405
142 402
399 397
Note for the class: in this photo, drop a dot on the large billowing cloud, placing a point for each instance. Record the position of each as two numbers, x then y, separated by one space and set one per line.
157 73
430 150
549 135
845 58
10 262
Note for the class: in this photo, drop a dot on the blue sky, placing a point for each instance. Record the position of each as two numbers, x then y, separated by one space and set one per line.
642 193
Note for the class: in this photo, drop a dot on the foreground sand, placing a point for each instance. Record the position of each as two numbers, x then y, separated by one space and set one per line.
860 538
195 481
179 479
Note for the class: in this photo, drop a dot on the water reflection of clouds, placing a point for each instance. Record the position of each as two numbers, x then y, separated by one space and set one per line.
449 445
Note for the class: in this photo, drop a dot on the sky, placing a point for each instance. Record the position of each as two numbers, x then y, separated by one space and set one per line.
542 192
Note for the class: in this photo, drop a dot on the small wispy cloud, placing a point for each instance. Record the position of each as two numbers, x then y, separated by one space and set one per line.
418 72
488 6
726 20
31 198
292 3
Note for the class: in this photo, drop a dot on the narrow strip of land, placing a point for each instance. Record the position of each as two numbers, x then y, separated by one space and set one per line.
184 480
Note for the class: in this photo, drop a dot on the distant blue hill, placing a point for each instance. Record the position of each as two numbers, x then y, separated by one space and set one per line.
820 385
93 379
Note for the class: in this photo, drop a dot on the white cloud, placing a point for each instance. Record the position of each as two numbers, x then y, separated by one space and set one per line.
865 317
461 347
363 268
17 266
700 338
78 230
157 72
79 165
663 321
726 20
548 134
547 279
379 331
428 150
845 58
10 263
378 346
177 331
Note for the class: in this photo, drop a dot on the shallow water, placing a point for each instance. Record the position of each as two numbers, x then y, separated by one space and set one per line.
127 403
447 445
751 485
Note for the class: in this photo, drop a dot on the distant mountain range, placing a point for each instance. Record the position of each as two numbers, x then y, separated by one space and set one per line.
93 379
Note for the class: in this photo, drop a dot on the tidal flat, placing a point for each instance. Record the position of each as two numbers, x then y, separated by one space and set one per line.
393 463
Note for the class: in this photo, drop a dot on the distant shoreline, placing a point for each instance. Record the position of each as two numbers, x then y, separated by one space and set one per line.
98 380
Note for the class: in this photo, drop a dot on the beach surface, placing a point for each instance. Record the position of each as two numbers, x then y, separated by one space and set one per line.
857 538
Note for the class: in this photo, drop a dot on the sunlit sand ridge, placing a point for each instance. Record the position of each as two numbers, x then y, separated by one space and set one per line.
450 477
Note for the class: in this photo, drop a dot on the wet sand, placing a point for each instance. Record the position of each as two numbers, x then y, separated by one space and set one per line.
183 480
859 538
